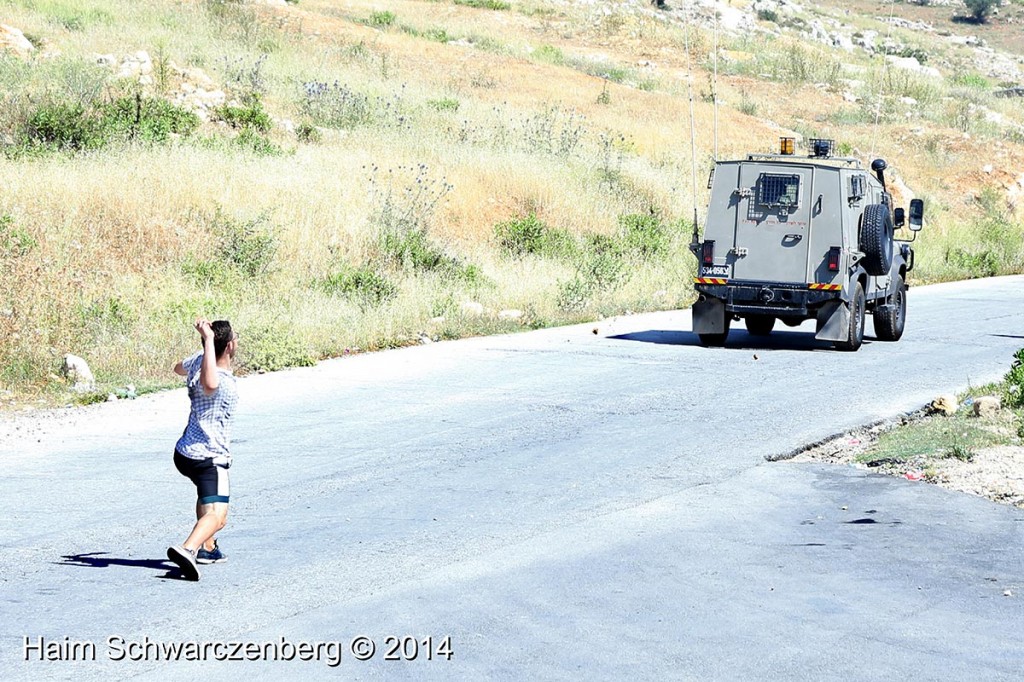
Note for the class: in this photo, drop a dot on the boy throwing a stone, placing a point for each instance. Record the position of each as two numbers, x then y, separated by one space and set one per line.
203 453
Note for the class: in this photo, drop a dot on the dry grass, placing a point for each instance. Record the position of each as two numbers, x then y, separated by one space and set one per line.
118 232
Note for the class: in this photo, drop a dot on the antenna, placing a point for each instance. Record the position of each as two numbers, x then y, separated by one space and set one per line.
714 85
693 144
885 69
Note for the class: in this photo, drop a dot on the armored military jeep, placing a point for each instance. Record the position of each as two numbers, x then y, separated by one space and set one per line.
790 238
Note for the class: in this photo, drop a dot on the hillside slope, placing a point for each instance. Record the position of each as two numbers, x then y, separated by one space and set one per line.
344 176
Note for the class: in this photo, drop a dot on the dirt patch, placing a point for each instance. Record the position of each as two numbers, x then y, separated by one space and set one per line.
994 471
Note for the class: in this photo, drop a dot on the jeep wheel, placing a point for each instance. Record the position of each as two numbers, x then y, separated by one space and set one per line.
717 339
890 318
855 334
760 325
876 233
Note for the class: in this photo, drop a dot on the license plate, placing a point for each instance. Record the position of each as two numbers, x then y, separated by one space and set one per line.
715 271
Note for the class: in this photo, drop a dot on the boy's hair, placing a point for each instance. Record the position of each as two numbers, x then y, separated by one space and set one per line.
222 336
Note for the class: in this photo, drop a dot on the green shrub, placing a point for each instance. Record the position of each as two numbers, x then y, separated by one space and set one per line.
981 9
75 127
381 19
574 295
308 133
73 18
970 80
249 245
412 249
644 234
747 105
148 119
271 347
364 285
248 116
106 315
549 54
485 4
251 141
960 451
604 265
982 263
66 126
530 235
1014 379
602 269
211 272
14 241
444 104
438 35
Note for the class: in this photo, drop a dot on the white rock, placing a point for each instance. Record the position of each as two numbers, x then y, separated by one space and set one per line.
13 39
911 64
944 404
987 168
843 42
129 70
77 371
510 314
472 308
986 406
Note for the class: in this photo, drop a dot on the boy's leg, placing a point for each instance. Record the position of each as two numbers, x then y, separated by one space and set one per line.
211 518
213 486
209 544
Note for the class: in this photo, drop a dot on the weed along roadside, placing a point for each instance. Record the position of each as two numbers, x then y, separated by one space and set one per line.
340 180
972 442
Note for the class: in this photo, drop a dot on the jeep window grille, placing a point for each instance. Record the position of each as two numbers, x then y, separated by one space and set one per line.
780 191
858 187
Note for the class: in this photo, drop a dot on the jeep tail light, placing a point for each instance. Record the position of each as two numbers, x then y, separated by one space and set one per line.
833 259
707 252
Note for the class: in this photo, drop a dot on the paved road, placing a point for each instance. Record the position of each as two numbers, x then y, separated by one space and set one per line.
563 504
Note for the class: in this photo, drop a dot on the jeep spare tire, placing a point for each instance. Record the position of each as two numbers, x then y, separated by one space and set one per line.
876 234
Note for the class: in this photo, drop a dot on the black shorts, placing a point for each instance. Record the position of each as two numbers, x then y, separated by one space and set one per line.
211 479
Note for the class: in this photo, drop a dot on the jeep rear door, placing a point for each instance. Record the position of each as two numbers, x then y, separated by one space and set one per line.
773 222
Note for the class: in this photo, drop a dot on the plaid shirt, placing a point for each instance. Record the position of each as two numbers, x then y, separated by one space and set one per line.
208 433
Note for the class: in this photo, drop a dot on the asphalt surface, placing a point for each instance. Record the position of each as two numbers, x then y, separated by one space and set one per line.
590 502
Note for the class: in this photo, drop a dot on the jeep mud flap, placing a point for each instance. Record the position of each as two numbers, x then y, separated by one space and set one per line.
833 322
709 316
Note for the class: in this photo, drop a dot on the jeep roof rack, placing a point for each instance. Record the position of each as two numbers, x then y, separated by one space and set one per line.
789 158
821 150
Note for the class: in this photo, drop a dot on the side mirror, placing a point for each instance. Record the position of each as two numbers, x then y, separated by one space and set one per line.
916 214
899 218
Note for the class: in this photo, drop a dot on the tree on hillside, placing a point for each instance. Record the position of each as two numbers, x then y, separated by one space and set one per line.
981 9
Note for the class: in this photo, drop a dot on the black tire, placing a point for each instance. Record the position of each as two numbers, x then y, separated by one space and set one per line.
760 325
890 320
855 333
717 339
876 235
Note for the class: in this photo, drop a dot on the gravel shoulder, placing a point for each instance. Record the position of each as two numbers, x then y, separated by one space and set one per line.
995 471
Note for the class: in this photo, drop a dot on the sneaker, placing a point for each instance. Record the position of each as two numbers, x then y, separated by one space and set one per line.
214 556
185 560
